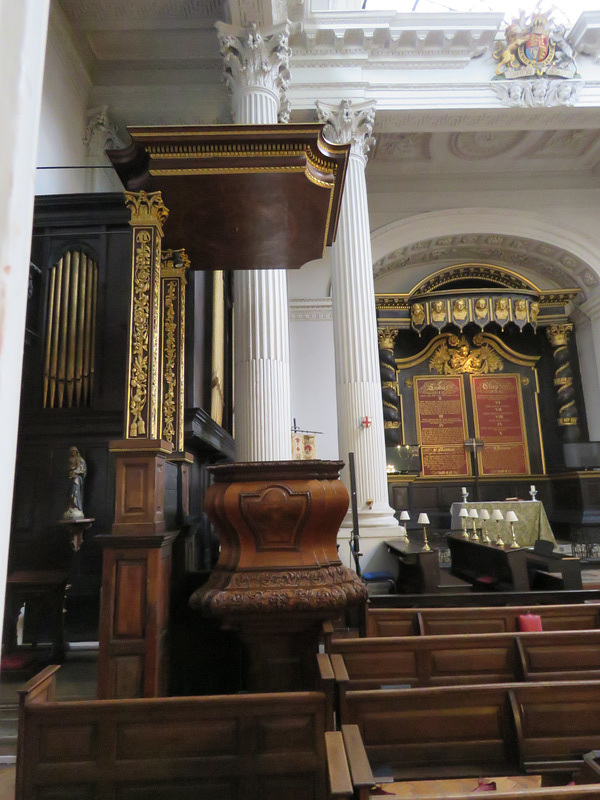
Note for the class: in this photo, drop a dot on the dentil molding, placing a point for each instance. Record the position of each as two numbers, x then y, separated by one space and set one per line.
311 310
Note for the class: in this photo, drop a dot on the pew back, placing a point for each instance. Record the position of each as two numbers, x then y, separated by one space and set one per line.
488 729
428 660
371 663
464 620
435 732
560 655
251 746
556 723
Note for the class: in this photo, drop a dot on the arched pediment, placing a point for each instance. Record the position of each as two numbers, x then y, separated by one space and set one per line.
406 252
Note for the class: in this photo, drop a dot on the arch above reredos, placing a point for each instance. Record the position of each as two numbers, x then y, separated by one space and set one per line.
553 255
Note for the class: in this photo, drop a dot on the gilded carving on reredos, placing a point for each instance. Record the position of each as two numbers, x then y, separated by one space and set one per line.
387 337
456 356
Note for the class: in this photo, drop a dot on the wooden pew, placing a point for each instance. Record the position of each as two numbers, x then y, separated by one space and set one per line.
590 772
487 729
464 620
556 723
371 663
264 746
559 655
426 661
545 793
440 732
534 597
362 778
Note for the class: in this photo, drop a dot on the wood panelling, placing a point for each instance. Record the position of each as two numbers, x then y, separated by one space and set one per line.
397 621
129 599
126 676
370 663
268 746
134 615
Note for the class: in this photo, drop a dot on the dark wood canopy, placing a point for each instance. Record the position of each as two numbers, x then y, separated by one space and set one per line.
240 196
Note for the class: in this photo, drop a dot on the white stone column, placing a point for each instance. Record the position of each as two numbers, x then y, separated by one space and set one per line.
23 30
256 68
355 328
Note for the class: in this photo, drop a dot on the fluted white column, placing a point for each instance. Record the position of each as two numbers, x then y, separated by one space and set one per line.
256 70
358 382
23 32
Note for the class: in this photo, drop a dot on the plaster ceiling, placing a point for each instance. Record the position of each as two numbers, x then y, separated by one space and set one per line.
158 63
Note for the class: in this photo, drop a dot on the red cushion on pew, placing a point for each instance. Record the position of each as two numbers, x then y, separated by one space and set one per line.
16 661
530 622
485 786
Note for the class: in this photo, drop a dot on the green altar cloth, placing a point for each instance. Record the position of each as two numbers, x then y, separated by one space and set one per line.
533 523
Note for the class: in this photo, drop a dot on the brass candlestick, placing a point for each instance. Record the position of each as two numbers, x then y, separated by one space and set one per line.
484 515
464 515
497 516
511 518
474 516
424 521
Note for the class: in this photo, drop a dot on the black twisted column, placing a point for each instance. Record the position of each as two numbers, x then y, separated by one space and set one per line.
563 381
389 387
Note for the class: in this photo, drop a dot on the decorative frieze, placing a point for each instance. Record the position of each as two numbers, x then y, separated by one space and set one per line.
311 310
473 249
541 93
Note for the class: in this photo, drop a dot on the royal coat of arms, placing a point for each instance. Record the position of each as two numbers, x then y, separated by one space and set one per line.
535 45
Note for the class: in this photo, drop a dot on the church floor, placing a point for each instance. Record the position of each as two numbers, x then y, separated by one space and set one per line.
445 789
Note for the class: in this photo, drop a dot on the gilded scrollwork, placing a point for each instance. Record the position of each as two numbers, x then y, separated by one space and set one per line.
147 216
169 407
138 379
456 356
146 209
387 337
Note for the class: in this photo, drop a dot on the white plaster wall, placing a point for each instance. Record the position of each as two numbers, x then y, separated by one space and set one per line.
313 381
312 357
63 120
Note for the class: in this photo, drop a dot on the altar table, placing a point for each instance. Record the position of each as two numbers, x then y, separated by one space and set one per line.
533 523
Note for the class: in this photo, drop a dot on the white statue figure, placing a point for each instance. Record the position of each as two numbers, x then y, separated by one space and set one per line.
77 472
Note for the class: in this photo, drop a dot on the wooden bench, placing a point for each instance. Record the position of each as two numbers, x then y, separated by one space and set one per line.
437 732
371 663
488 729
232 746
545 793
555 723
362 779
425 621
535 597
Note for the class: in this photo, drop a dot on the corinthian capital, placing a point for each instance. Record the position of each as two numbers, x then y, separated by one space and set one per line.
254 58
346 122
